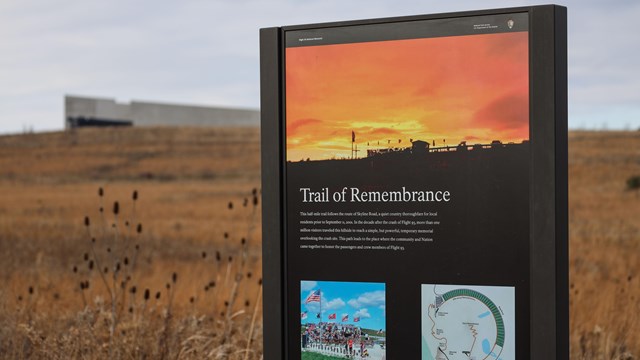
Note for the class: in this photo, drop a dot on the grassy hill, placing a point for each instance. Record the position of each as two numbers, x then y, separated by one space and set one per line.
604 240
195 203
195 206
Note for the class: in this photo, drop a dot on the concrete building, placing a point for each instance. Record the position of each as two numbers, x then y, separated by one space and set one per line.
87 111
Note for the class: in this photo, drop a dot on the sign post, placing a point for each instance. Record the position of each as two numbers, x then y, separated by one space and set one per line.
440 231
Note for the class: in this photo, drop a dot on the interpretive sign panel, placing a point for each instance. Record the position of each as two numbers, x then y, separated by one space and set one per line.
414 185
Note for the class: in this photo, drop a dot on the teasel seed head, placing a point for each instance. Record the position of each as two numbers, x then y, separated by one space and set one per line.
90 264
30 290
204 254
86 256
133 289
192 299
158 295
212 284
168 286
75 269
116 208
135 195
100 192
87 222
218 256
126 261
146 294
230 206
139 229
174 277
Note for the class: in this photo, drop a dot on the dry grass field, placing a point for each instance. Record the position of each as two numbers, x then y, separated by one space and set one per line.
67 296
83 283
604 245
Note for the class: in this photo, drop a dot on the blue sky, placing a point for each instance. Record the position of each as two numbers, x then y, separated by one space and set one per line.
206 52
356 299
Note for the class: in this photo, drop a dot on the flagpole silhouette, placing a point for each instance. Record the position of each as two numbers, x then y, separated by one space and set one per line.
353 140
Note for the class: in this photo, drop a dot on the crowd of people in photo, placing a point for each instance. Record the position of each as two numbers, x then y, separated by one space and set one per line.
340 339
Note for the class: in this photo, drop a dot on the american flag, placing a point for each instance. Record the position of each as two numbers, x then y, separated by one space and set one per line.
332 316
356 319
313 297
303 315
345 318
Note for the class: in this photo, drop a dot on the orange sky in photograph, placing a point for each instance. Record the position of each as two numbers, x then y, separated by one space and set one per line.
447 89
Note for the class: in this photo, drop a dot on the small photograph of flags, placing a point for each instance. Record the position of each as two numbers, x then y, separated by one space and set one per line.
341 320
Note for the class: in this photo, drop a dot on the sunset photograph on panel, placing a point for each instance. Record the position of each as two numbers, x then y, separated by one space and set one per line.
355 100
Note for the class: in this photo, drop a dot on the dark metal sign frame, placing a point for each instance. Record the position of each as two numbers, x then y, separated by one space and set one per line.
548 240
